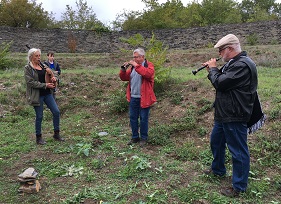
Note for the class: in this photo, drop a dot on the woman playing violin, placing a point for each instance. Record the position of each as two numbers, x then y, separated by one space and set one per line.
40 84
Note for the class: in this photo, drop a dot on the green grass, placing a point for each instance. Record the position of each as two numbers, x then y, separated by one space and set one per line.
104 168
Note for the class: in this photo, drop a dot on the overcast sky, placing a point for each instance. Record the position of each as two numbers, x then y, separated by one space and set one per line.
105 10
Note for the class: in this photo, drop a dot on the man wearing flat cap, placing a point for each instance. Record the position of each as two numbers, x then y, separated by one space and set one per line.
236 93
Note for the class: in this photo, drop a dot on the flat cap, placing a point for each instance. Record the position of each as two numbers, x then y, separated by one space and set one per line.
227 40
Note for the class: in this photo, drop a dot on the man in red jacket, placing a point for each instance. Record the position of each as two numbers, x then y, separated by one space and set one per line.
140 74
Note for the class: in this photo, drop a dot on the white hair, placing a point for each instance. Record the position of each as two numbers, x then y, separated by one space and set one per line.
140 51
236 47
31 52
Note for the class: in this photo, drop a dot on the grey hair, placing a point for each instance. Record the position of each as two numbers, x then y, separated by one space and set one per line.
31 53
236 47
140 51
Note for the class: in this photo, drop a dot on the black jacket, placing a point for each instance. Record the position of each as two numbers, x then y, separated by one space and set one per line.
236 85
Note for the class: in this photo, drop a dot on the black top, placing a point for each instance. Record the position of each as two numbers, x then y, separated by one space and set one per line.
41 76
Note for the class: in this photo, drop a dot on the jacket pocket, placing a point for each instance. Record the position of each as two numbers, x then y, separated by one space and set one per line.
33 97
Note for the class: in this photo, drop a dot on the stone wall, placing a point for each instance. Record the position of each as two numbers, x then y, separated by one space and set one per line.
87 41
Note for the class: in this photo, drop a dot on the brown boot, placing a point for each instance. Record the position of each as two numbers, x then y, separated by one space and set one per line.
57 136
39 140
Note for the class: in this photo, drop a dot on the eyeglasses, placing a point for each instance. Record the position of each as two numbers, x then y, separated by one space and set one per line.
220 50
136 56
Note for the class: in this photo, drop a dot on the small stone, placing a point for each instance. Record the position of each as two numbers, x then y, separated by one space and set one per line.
103 133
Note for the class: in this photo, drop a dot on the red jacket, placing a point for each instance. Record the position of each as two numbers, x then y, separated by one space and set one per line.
147 94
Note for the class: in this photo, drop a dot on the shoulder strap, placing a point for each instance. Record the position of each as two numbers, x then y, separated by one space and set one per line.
145 63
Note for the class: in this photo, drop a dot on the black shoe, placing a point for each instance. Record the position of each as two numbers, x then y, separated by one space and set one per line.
39 140
133 141
230 192
57 136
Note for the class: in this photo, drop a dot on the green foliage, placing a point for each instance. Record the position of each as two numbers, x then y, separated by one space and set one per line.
252 39
228 12
176 98
194 191
274 42
275 113
259 10
172 14
188 151
188 122
268 147
5 62
97 163
191 15
72 171
260 14
135 41
206 156
140 163
160 134
202 131
134 165
166 15
118 102
102 194
205 106
24 13
84 148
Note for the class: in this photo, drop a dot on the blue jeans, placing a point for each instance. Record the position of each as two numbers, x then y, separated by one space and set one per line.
137 112
234 134
52 105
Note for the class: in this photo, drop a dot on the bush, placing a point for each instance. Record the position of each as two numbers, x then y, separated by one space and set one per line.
160 134
252 39
4 51
118 103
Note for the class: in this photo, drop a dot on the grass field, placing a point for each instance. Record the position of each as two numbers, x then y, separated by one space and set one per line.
92 168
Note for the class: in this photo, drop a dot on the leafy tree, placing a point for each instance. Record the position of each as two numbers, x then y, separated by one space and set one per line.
68 18
192 15
257 10
128 21
219 11
82 18
266 5
155 16
260 14
151 4
166 15
173 14
22 13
